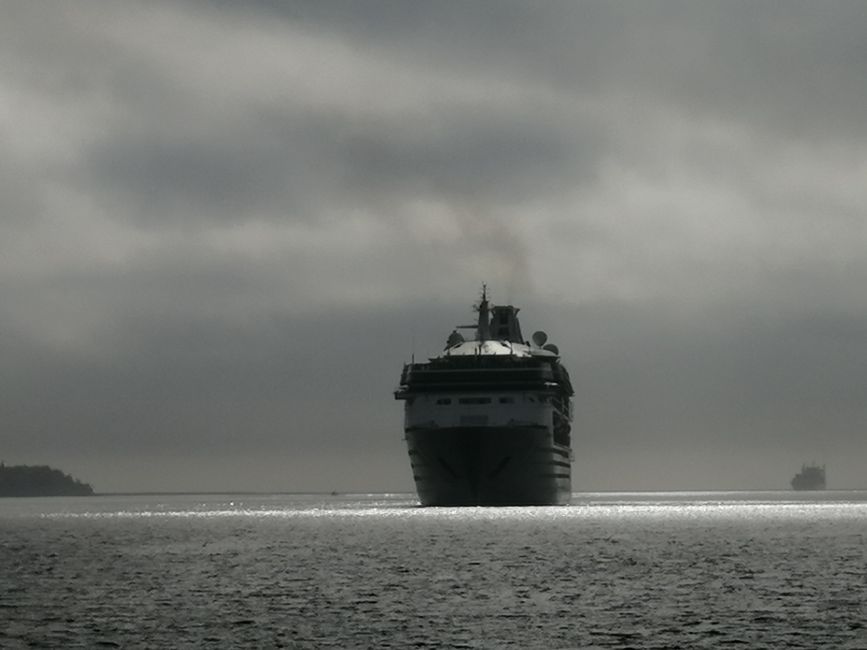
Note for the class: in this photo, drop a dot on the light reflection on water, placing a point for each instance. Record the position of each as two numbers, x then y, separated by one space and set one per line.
756 569
585 506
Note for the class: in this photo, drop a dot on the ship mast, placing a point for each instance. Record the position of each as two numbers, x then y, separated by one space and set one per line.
484 326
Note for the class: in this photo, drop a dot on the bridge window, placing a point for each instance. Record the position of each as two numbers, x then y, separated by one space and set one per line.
444 400
474 400
507 400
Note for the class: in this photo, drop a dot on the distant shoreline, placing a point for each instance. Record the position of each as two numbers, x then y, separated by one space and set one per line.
39 481
409 492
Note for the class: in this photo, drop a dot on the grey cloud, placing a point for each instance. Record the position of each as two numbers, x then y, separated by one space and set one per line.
294 170
224 173
212 252
794 69
484 156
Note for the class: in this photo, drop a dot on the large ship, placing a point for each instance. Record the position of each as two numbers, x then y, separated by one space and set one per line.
811 477
488 422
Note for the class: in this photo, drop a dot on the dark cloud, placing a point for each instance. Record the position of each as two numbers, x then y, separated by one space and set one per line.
227 173
224 226
744 61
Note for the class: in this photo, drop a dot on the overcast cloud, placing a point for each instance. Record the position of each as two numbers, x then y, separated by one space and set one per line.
225 226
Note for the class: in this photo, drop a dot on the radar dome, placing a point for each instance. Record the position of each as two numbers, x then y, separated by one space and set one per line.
540 338
551 348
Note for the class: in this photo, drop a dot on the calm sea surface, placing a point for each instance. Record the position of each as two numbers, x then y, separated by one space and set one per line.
679 570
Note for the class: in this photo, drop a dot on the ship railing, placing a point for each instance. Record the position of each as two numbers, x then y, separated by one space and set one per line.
544 388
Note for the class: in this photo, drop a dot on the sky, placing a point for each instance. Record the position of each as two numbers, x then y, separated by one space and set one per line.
225 226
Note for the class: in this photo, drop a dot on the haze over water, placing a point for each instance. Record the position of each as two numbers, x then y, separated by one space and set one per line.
739 569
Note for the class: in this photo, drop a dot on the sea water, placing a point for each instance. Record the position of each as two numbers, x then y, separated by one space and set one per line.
680 570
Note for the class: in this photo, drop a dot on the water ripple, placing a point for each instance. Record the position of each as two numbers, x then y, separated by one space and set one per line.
756 570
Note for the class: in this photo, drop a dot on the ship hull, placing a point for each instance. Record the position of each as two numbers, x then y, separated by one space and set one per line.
807 486
489 466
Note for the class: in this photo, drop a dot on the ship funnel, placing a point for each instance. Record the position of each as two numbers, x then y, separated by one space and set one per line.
540 338
504 324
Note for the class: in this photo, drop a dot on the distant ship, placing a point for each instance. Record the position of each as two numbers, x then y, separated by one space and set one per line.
811 477
488 422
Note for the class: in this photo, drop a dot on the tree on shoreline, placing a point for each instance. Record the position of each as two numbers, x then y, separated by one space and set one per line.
39 480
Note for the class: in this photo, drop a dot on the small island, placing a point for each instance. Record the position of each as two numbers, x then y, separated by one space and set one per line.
39 481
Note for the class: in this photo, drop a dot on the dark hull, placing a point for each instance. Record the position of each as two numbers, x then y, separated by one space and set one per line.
807 484
488 466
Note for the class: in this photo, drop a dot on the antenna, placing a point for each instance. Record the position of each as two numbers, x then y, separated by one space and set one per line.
484 320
